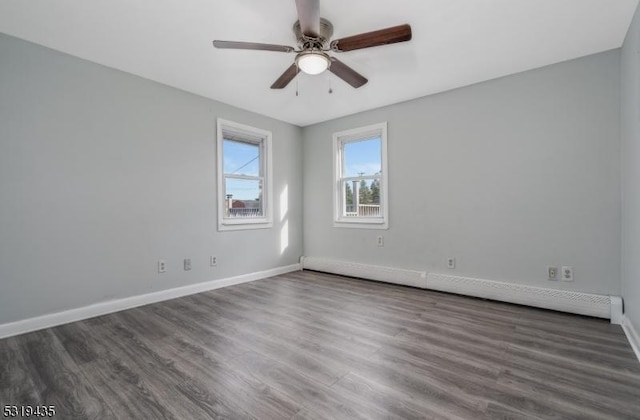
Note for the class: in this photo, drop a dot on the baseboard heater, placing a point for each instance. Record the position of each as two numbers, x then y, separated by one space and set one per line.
601 306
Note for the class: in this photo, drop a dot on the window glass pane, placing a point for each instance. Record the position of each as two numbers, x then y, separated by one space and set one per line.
243 198
362 198
241 158
362 158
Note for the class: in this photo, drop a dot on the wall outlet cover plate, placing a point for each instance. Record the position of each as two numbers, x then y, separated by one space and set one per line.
567 273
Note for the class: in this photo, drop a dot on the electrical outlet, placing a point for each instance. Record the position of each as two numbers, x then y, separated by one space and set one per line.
162 266
380 240
451 262
552 272
213 261
187 264
567 273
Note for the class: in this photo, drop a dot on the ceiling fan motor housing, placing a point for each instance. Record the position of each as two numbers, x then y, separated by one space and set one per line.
326 32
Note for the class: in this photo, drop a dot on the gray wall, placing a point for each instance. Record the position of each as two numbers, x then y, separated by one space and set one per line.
508 176
630 117
103 173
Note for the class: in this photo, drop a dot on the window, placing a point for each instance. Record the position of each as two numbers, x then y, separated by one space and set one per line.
244 177
360 183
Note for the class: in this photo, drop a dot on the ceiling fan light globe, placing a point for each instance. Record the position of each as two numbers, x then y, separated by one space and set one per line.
312 63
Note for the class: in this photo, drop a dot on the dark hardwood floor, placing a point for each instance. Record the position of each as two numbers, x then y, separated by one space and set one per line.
318 346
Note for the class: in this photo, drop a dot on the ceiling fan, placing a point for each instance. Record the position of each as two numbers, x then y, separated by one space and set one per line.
313 34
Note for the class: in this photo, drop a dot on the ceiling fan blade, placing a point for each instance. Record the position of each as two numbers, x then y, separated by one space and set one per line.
286 77
309 16
391 35
346 73
238 45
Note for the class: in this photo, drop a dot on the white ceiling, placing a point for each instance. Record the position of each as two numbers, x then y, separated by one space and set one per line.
455 43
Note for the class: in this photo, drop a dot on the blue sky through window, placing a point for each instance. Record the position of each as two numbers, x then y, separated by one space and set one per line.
362 157
241 159
243 189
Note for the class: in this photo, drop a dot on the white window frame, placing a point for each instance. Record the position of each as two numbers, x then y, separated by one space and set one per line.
255 136
339 140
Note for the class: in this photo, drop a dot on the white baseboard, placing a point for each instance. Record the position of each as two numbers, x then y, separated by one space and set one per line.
602 306
632 335
617 307
366 271
539 297
103 308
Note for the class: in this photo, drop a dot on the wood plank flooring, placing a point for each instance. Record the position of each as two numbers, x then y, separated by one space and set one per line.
309 345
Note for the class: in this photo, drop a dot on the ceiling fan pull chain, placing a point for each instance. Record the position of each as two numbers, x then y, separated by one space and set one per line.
330 88
296 87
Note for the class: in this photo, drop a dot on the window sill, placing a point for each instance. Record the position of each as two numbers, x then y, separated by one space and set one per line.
361 223
244 224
